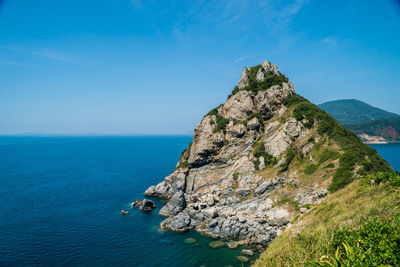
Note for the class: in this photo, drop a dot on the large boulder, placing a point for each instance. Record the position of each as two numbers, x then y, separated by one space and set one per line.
205 142
276 141
175 205
236 130
180 222
292 127
239 106
278 217
147 205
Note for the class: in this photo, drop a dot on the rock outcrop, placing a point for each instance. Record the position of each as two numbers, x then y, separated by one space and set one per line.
145 204
236 180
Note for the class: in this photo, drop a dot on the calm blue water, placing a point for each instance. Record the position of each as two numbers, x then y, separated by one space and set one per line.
391 153
61 197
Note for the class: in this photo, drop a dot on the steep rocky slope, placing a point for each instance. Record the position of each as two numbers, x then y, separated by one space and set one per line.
259 160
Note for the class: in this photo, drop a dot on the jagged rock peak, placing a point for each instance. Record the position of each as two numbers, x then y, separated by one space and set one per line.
271 68
244 79
263 70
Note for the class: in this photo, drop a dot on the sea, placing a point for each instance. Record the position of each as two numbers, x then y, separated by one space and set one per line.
60 202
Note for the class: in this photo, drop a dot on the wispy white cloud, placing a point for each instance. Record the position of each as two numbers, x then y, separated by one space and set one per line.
236 60
186 19
53 55
277 15
12 63
41 53
329 41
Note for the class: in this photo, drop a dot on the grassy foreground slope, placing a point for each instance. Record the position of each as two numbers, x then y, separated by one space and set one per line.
358 225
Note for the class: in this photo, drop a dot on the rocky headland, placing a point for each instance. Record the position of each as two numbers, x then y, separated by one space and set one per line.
258 161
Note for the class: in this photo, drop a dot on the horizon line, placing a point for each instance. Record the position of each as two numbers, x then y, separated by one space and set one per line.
86 135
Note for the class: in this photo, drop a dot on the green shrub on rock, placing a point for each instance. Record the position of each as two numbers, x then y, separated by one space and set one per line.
183 159
259 151
255 86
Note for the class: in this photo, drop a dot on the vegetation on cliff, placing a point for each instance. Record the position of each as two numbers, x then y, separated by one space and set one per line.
356 226
354 153
255 85
183 159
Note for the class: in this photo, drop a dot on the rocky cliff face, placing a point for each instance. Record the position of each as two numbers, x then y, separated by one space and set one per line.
252 166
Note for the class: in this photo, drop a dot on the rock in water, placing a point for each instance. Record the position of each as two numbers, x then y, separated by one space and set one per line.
147 205
124 212
242 174
190 241
232 245
247 252
138 202
216 244
242 259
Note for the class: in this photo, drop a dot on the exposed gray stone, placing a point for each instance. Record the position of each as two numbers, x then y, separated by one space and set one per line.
260 75
147 204
247 252
244 79
213 223
175 205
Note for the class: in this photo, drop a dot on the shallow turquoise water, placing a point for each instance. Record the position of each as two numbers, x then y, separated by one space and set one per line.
61 197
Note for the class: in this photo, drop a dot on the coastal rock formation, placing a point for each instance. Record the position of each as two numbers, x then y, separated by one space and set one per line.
175 205
254 162
144 204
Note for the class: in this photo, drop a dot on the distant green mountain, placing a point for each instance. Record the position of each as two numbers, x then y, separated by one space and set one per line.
386 128
352 111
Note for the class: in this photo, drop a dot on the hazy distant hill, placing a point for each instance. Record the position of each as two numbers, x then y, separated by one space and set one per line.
386 128
352 111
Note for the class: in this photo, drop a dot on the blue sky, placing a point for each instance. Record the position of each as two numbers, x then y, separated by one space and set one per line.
156 67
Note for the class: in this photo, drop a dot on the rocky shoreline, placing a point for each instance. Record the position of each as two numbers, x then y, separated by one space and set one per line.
228 182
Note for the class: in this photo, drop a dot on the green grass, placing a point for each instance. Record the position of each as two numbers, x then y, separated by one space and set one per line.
360 215
329 166
287 200
310 169
328 155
